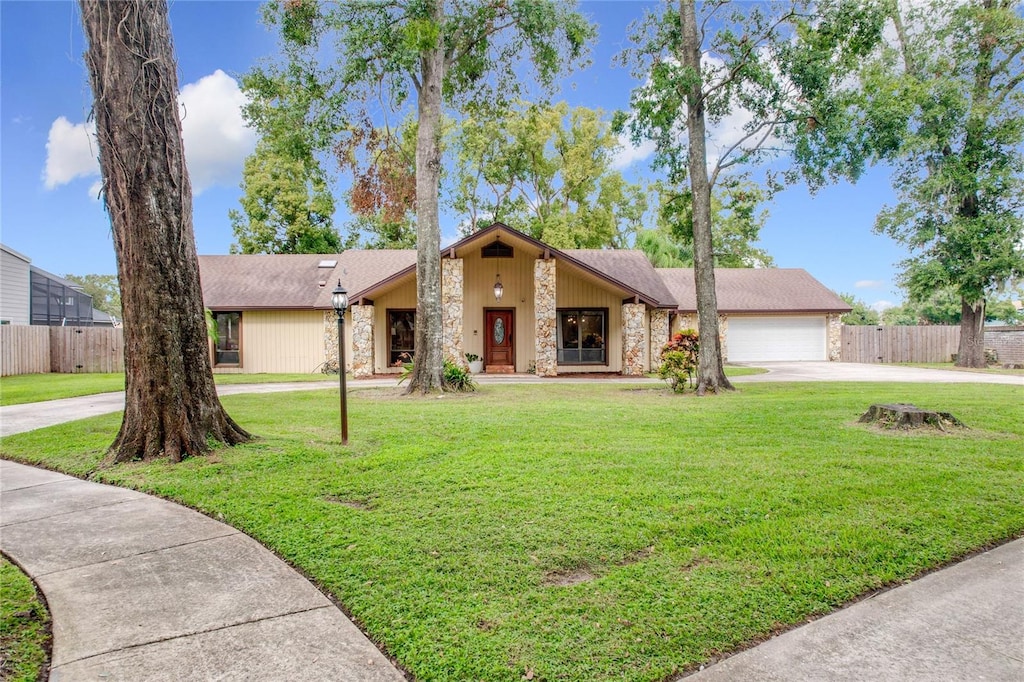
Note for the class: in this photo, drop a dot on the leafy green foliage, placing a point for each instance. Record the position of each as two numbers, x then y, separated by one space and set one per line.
457 377
861 313
944 307
735 219
943 103
546 169
286 207
104 289
679 360
703 528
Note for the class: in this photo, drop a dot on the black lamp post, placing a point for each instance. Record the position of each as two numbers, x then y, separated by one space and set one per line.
339 299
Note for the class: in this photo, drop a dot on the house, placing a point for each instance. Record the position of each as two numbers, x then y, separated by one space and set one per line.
518 303
31 295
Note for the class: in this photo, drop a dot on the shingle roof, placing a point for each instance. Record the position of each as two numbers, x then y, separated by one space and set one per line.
246 282
756 290
631 268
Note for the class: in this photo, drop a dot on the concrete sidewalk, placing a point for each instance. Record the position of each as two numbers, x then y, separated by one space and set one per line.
965 622
140 588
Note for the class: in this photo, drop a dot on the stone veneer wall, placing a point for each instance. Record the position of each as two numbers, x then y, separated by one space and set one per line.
633 339
362 340
659 336
834 322
723 336
452 305
546 351
330 342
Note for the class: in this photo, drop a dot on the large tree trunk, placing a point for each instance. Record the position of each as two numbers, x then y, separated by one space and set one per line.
171 405
971 351
710 373
426 376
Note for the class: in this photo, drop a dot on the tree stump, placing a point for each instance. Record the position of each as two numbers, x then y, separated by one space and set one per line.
905 416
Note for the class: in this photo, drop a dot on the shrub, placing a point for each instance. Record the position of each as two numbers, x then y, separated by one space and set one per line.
454 376
679 360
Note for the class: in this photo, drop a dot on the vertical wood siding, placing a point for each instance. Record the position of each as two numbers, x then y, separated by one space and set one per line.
517 279
282 341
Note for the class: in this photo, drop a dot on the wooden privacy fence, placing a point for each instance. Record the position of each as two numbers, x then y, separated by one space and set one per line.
65 350
899 344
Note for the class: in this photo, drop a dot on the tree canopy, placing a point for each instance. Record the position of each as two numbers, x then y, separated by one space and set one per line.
427 53
548 169
104 289
941 100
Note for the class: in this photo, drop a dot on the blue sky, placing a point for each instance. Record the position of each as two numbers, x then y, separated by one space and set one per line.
49 177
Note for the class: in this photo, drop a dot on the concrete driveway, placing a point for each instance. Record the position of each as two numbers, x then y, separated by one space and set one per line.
853 371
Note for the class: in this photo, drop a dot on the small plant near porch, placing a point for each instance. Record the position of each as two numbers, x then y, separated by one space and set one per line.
679 360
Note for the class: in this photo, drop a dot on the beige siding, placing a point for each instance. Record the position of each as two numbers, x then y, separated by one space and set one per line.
517 280
575 291
401 298
14 288
277 341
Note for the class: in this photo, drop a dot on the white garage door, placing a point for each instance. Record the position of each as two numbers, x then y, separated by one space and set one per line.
751 339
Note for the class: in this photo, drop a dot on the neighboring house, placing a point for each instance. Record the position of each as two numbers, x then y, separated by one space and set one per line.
31 295
555 311
14 288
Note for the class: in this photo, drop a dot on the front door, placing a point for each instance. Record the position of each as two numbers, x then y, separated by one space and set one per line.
499 351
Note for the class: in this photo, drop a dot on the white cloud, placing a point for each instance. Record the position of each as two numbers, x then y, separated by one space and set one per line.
627 153
880 306
869 284
70 152
215 136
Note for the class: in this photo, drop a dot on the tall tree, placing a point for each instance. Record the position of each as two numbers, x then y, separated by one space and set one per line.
171 403
764 61
736 222
548 169
452 52
106 295
287 206
861 313
946 102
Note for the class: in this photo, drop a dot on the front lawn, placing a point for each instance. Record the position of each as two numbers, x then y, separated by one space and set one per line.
594 531
24 627
33 388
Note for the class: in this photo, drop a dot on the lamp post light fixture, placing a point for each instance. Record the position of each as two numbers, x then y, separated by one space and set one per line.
339 299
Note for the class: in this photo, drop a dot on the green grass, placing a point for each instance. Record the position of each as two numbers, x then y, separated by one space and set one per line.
33 388
449 525
951 366
24 627
737 371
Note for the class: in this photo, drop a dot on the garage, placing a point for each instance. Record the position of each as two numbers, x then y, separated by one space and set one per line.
785 338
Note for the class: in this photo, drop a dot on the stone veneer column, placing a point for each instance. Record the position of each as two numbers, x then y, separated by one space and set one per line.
330 365
452 313
659 336
362 341
545 312
685 321
633 339
834 321
723 336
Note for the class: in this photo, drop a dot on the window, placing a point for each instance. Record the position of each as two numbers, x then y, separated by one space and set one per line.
402 331
582 337
228 349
